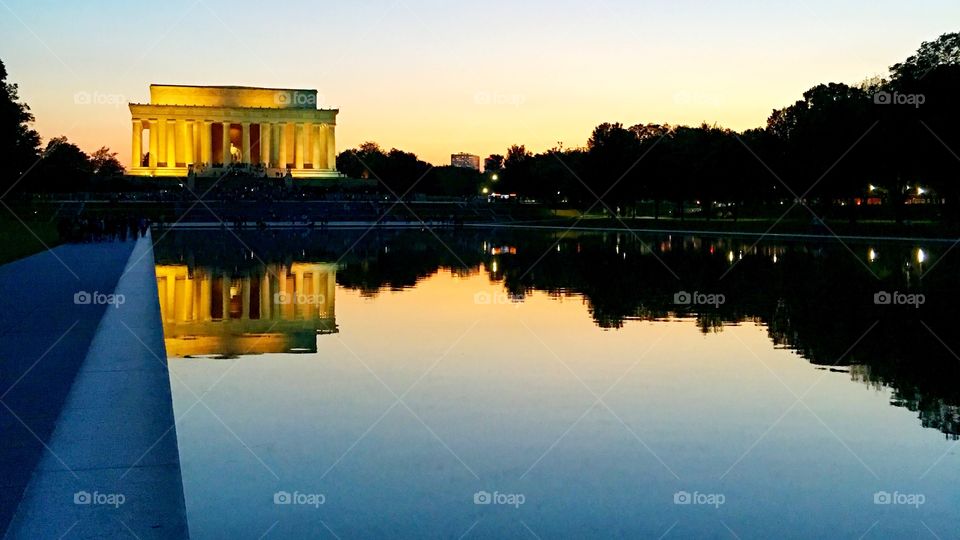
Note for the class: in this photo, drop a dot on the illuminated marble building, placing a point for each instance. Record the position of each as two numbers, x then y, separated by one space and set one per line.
207 128
280 309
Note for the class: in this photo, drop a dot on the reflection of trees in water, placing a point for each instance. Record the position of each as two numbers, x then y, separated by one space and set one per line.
934 412
817 299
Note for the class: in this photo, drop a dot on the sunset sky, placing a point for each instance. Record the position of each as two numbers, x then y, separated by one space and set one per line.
437 77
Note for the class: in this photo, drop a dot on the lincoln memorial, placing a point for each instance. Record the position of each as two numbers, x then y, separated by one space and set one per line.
206 130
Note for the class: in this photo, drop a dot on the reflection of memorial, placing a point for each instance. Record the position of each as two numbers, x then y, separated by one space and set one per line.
278 308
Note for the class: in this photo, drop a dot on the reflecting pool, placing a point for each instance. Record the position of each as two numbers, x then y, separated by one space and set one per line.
492 384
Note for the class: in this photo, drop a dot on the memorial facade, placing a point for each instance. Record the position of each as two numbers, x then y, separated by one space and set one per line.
206 130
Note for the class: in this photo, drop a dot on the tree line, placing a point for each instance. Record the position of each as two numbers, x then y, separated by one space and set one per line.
887 140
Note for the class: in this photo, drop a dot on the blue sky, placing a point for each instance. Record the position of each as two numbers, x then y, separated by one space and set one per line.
437 77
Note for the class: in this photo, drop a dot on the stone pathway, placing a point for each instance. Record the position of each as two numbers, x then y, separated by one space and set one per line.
89 441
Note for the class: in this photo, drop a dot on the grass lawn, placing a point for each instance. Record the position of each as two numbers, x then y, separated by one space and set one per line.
16 241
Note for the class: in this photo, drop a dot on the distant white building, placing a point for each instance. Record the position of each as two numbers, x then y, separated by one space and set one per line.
467 161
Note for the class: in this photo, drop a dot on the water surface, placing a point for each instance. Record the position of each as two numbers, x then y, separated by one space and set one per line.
392 382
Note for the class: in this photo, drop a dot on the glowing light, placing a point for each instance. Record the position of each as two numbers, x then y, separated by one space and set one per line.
730 256
920 190
871 188
494 266
921 255
872 255
495 177
485 191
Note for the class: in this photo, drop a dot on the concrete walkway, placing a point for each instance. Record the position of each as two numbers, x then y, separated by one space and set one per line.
109 464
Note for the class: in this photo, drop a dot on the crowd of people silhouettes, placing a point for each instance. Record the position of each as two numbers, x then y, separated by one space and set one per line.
102 229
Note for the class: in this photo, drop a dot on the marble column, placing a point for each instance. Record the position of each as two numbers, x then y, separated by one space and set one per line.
226 143
331 147
188 142
154 144
315 134
206 142
137 145
283 145
171 143
245 143
197 145
265 129
179 141
162 143
275 145
322 141
298 146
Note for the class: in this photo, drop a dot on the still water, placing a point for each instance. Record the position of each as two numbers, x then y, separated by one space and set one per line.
483 384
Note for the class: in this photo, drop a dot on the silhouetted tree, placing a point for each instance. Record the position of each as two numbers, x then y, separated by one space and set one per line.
19 143
105 163
64 167
517 169
395 171
494 162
